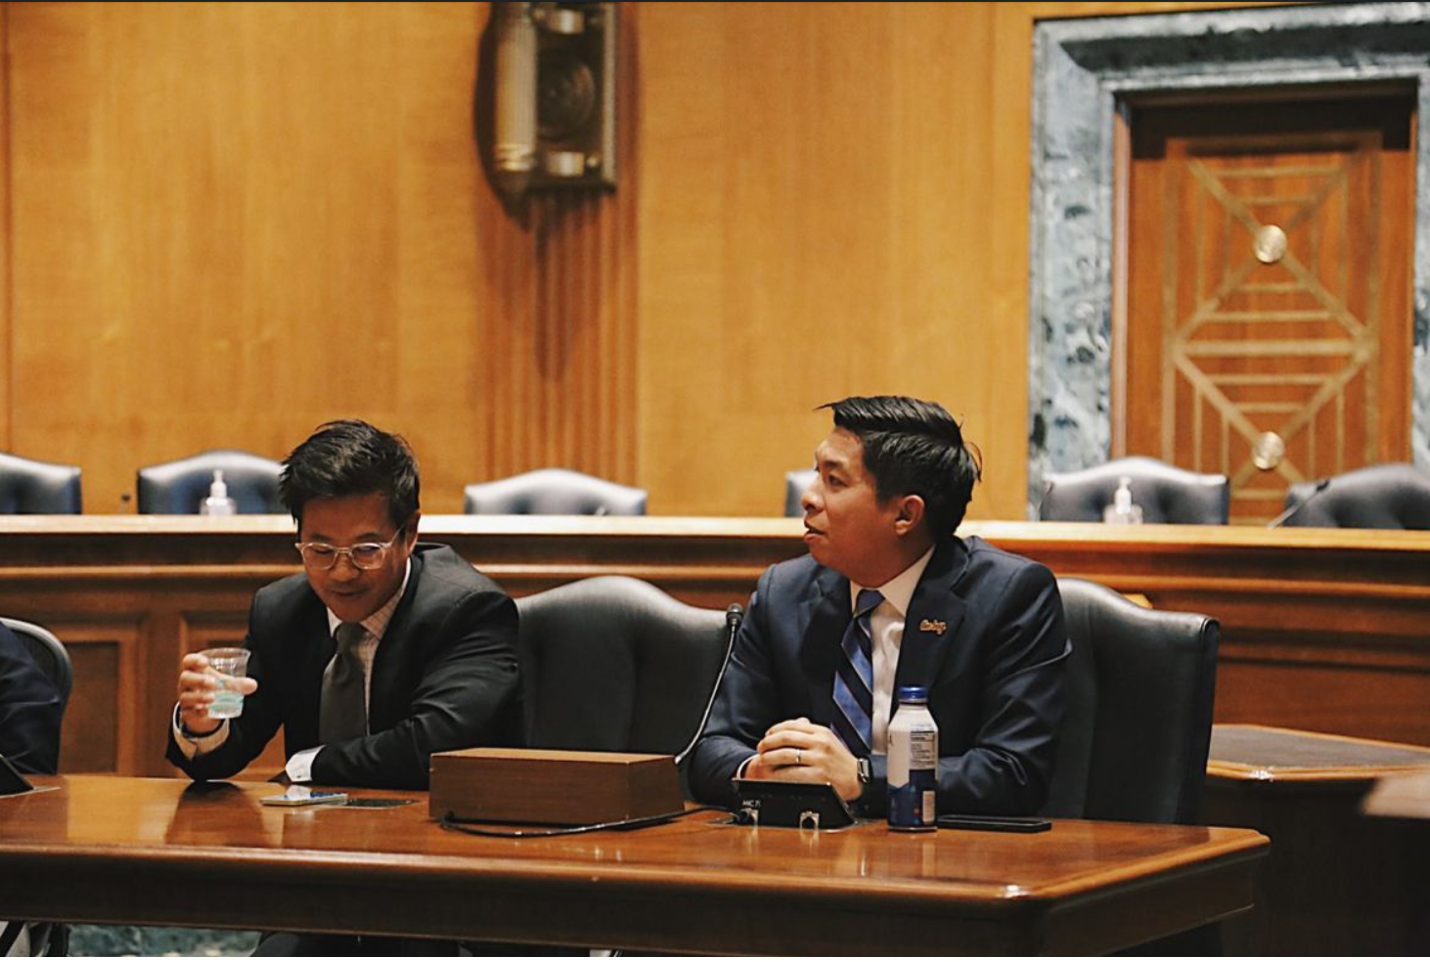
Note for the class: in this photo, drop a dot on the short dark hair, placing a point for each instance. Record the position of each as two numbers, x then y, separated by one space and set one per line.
345 458
914 447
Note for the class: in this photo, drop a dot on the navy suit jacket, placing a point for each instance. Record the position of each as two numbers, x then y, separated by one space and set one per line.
445 677
984 633
30 710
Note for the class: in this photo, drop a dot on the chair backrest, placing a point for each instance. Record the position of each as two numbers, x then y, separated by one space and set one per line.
179 487
49 653
796 484
554 491
1167 494
616 664
37 487
1380 496
1140 687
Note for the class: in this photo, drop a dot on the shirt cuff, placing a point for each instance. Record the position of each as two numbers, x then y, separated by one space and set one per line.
192 746
740 772
300 767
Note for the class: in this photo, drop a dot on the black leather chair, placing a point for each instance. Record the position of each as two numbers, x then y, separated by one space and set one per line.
796 484
36 487
1141 685
179 487
554 491
616 664
47 650
1166 494
44 938
1380 496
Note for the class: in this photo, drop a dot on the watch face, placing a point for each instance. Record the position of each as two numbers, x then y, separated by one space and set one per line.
866 773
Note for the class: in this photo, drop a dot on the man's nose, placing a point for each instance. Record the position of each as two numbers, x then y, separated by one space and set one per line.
810 500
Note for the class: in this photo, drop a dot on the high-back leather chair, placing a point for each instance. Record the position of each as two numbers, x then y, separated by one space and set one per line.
179 487
616 664
49 653
40 938
796 484
1167 494
1140 687
554 491
37 487
1380 496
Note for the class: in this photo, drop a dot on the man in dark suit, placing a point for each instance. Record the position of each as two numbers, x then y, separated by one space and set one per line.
380 653
435 645
30 710
980 628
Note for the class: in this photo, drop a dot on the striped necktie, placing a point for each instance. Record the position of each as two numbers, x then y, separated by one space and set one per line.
854 679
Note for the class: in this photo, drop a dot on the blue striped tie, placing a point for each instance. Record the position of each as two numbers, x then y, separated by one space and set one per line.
854 679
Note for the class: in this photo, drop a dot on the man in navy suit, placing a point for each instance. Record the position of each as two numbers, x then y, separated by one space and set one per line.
980 628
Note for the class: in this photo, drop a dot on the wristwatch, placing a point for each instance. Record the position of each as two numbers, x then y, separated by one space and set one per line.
866 771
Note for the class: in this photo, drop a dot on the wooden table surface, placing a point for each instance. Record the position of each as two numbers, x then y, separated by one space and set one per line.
113 849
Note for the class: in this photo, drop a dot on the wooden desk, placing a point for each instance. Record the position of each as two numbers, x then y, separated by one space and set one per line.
151 851
1321 629
1336 882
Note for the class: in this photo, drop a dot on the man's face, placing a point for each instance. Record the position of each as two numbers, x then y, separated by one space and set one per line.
845 526
349 591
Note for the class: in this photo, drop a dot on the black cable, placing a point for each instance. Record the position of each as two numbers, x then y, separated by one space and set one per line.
451 822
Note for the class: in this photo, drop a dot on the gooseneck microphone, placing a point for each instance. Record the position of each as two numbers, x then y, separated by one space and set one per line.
1295 509
733 616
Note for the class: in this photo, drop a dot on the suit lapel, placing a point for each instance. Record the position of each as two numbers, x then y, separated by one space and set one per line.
826 615
934 616
390 653
315 650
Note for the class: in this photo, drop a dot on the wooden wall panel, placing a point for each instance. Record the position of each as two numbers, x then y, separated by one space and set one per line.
229 222
235 221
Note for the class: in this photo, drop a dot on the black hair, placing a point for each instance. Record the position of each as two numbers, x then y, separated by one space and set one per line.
914 447
345 458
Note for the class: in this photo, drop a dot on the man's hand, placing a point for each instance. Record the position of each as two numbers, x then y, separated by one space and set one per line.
800 751
197 683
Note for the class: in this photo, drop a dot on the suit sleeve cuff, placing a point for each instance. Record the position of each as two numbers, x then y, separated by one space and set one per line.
191 745
300 767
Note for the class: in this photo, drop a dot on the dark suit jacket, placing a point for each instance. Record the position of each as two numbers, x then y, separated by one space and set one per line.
444 677
994 673
30 710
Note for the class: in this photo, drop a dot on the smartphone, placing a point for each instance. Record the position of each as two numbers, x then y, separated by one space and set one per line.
996 823
12 782
298 795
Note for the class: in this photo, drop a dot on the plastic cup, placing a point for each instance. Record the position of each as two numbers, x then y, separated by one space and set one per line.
227 663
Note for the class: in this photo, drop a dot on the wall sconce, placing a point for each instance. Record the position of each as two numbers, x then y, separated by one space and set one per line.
555 98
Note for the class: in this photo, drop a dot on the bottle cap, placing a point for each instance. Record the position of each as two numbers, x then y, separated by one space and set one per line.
913 693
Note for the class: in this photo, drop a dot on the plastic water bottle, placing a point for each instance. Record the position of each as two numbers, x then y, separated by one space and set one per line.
218 502
913 764
1122 510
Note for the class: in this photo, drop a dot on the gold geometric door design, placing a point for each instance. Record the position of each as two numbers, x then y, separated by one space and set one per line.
1262 352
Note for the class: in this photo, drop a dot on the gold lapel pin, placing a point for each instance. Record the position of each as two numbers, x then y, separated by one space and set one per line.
937 627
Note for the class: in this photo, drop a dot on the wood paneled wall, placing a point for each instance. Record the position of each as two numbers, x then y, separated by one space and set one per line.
226 223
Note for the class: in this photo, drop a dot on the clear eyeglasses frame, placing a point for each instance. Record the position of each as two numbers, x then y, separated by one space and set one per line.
320 556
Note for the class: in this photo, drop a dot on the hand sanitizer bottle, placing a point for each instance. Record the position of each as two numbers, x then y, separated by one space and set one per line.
1122 510
218 502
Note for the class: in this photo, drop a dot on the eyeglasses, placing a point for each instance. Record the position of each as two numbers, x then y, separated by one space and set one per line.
321 556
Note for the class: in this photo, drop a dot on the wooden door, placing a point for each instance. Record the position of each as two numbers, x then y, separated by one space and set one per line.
1267 320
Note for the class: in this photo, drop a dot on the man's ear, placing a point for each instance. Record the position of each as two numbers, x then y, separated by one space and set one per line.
910 516
410 534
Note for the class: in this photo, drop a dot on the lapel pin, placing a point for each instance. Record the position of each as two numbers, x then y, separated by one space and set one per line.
937 627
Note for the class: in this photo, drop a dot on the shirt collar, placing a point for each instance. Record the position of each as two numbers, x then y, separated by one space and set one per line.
375 624
898 590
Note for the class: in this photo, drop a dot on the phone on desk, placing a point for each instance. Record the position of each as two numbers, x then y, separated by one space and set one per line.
764 801
301 795
12 782
996 823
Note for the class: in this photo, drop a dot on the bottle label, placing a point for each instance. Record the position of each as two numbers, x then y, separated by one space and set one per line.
913 769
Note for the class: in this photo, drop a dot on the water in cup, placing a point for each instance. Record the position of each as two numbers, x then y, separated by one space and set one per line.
227 663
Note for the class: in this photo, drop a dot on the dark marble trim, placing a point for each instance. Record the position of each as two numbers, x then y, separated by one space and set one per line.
1081 69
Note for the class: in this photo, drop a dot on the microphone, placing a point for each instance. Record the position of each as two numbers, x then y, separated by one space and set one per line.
733 616
1295 509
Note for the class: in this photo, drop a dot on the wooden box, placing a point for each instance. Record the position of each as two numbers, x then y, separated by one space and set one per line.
546 787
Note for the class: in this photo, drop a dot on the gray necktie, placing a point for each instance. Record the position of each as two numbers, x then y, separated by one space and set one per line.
342 711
